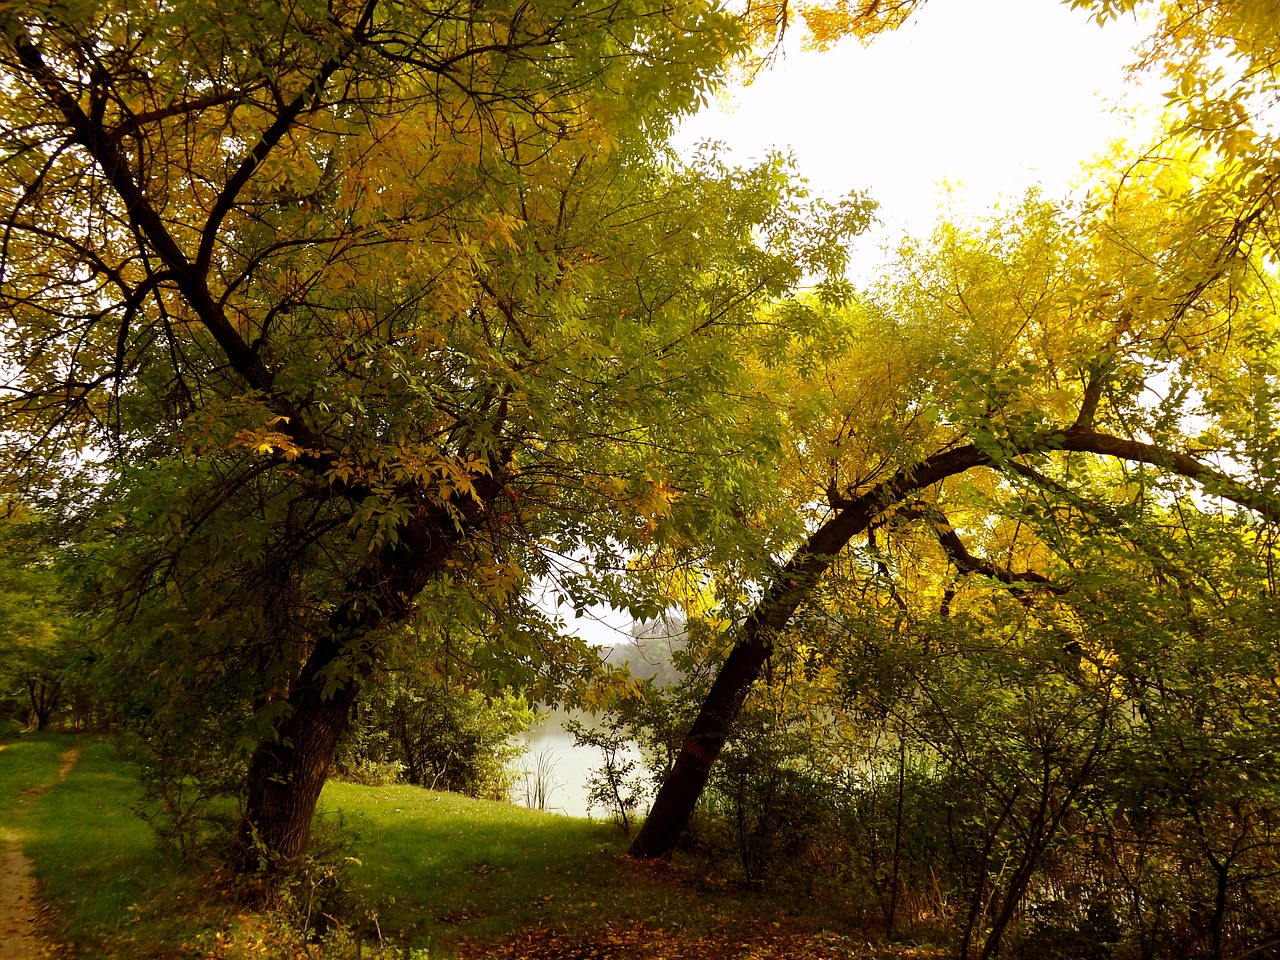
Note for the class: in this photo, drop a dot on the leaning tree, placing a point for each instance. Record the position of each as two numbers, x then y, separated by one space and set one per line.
1132 332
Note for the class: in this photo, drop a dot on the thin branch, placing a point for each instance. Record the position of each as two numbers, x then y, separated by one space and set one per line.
272 136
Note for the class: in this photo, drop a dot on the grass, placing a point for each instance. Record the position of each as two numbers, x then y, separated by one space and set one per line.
437 868
25 766
114 893
93 856
426 872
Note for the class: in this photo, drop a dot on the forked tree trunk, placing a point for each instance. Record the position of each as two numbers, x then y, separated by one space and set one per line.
43 695
287 774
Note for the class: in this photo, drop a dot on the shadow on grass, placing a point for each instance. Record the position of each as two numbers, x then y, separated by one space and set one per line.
26 765
439 869
436 866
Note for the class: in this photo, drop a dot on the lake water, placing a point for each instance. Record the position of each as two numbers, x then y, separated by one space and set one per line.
554 772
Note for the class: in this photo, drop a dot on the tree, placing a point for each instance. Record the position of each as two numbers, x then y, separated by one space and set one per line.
36 641
1135 313
1099 742
437 735
347 301
1145 296
1021 356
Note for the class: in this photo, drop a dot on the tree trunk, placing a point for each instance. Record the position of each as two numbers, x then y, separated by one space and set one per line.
676 799
43 695
897 829
1222 873
287 773
674 803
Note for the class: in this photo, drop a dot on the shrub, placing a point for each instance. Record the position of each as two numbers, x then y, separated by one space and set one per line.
615 786
440 736
187 793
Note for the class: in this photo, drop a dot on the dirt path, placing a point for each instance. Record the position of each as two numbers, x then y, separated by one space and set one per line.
20 935
19 917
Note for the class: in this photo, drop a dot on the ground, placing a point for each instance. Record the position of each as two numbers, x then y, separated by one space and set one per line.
456 876
746 940
19 931
20 934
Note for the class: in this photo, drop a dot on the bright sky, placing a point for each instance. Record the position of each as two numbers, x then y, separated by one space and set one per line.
989 96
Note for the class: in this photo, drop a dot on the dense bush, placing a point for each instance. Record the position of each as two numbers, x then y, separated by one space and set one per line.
433 734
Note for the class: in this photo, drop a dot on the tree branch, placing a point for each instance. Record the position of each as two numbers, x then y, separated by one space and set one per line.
967 562
675 801
189 279
272 136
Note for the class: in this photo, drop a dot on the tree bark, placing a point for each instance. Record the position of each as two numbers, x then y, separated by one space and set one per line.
674 803
287 774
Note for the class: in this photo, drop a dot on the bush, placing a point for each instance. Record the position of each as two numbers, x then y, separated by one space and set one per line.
372 773
777 824
775 808
187 791
439 736
615 786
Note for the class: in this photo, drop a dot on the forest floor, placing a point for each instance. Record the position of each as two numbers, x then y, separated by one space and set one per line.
747 939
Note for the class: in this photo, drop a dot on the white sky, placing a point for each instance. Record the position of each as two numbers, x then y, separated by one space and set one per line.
989 96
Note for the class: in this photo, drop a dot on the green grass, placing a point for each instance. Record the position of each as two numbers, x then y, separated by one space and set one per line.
114 893
26 765
438 866
93 856
426 870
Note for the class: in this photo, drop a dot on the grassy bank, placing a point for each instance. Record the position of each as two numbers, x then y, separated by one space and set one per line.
440 868
403 872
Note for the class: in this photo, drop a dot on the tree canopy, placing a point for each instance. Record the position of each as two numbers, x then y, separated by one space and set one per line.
339 327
